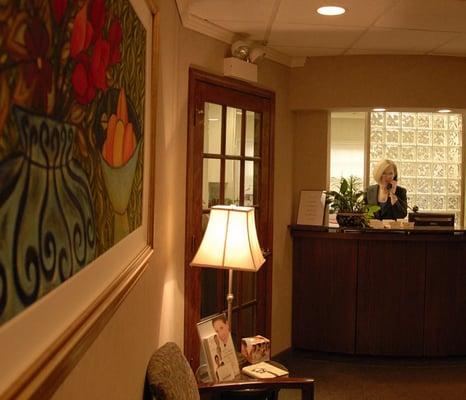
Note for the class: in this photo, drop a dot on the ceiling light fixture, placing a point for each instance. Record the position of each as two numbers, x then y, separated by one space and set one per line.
445 110
380 109
331 10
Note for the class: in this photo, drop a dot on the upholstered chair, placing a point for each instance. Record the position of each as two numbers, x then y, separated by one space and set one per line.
170 377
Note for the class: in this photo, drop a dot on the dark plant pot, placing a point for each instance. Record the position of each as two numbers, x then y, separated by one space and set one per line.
351 220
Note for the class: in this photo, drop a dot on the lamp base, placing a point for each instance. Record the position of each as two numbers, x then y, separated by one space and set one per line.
230 296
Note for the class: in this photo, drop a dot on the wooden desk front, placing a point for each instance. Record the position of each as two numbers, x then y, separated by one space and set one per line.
394 293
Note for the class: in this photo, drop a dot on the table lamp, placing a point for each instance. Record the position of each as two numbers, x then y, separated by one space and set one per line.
230 242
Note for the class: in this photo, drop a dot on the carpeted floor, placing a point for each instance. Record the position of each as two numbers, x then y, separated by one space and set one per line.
375 378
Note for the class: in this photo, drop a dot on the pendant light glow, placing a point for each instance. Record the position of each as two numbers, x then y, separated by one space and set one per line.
331 10
379 109
445 110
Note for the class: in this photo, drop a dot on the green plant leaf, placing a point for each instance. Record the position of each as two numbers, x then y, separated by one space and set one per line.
343 186
349 197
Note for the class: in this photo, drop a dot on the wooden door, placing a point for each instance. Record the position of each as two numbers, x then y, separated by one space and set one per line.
230 158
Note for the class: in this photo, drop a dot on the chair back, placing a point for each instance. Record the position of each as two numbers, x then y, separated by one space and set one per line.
170 376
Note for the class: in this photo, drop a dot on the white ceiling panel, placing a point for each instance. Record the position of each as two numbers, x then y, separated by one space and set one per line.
456 46
432 15
233 10
313 35
403 40
250 30
358 12
354 52
292 28
294 51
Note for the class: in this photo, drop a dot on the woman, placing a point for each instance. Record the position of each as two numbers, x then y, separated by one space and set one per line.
222 328
386 193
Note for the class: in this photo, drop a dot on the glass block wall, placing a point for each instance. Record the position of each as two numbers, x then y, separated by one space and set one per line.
427 150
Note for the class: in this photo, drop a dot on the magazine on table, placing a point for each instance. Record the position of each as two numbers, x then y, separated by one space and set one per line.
264 370
218 348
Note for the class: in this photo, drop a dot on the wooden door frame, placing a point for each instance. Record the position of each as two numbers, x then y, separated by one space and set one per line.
192 300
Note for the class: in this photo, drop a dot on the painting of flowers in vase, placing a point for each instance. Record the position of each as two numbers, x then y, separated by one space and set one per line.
72 95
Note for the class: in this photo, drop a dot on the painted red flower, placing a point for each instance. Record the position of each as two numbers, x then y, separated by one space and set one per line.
82 82
38 71
99 63
97 17
114 38
58 9
82 33
50 65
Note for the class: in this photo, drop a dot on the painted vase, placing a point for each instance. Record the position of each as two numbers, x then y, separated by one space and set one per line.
47 222
119 183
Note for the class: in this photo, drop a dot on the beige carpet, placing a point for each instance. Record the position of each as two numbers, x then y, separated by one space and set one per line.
371 378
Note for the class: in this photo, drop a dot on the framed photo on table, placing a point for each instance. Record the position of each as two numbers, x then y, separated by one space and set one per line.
77 168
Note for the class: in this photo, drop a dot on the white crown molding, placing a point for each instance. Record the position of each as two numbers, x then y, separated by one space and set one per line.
203 26
298 62
209 29
278 57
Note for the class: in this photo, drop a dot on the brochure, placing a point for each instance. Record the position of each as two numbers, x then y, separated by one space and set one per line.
216 340
221 370
264 370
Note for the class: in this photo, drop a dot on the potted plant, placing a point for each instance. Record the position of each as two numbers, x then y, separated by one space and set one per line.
349 204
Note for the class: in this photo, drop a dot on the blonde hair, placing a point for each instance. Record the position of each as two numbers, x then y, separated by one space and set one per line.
381 167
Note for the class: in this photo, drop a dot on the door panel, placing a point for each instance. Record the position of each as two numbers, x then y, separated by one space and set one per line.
229 162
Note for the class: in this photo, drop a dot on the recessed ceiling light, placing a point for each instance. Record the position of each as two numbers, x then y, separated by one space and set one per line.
331 10
445 110
380 109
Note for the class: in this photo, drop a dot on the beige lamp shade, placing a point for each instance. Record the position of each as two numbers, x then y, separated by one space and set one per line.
230 240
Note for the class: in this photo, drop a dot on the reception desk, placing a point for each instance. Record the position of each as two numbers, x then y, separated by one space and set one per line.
395 293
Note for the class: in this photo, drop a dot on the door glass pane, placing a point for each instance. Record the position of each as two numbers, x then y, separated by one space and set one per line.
253 134
212 128
233 132
248 319
249 286
209 287
210 183
232 175
250 182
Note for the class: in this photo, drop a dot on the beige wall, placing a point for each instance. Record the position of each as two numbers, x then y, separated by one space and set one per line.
388 81
310 153
277 77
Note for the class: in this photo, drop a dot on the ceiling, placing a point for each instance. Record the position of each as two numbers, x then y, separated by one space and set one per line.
292 30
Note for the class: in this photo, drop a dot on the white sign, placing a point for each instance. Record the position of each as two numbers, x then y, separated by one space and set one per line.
311 207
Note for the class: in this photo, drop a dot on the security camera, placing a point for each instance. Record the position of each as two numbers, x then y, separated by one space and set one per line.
257 54
240 49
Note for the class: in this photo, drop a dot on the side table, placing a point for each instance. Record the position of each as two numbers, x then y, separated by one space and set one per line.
245 387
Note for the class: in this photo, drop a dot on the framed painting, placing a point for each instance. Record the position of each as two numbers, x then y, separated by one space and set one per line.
77 86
